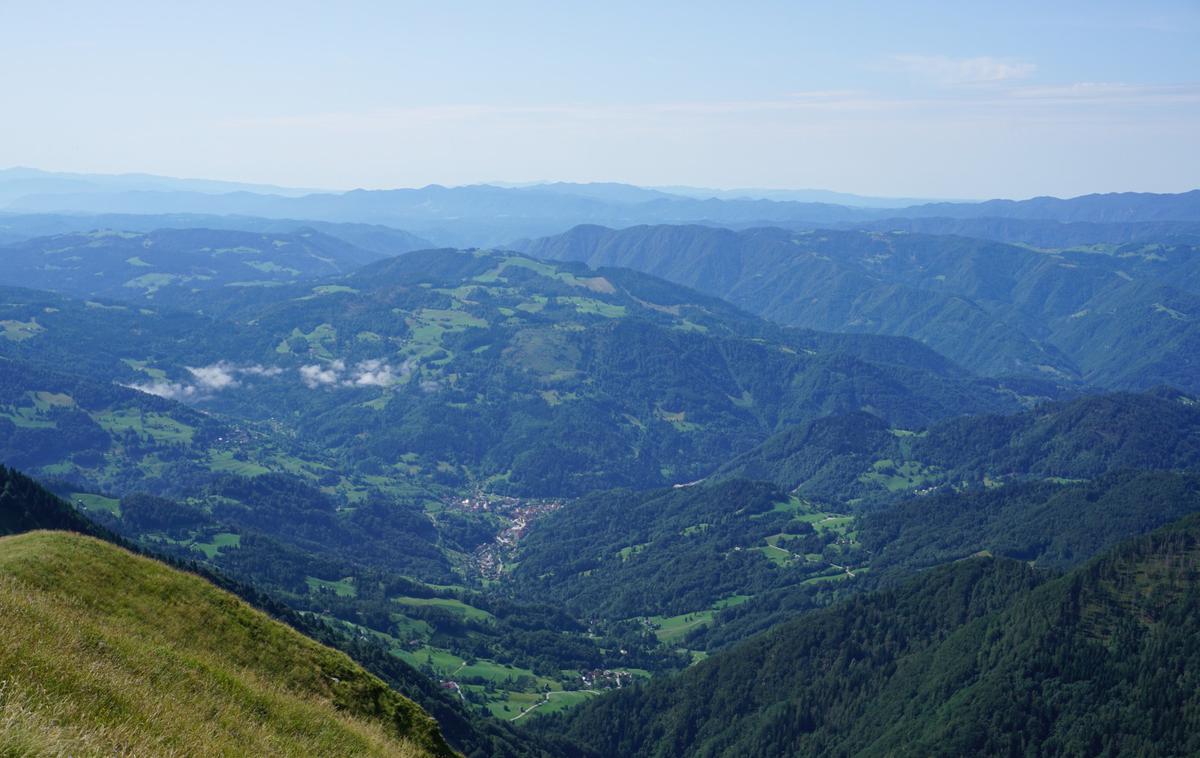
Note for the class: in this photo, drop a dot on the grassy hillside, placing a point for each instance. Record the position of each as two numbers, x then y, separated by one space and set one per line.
110 652
25 505
969 659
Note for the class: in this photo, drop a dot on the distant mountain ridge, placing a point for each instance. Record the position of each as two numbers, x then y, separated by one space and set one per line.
1099 208
21 181
487 215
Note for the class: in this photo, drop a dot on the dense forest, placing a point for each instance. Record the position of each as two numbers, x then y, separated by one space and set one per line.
981 657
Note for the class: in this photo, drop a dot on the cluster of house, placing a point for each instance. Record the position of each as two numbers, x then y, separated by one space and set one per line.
490 557
606 679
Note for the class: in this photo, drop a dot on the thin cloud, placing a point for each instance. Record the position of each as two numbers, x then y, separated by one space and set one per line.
947 71
168 390
1109 93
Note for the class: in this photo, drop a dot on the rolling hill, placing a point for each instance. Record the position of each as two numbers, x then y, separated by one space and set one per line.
383 240
469 368
1099 207
174 266
359 445
1121 316
1044 234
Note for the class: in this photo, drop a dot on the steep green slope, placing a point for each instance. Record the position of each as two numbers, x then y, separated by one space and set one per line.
1143 329
106 651
969 659
25 505
1121 316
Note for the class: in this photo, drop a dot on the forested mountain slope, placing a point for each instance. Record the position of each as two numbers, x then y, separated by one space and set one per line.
1121 316
858 456
707 565
1045 234
1103 660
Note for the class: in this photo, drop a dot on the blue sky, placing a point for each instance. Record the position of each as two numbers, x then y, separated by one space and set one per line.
916 99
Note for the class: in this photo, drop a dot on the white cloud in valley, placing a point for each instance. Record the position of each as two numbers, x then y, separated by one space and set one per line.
374 372
205 380
315 375
162 388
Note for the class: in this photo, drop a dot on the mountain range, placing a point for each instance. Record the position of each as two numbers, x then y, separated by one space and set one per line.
486 215
813 487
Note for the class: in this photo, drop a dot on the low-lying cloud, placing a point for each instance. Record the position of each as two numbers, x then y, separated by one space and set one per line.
214 378
317 375
206 380
221 376
161 388
375 372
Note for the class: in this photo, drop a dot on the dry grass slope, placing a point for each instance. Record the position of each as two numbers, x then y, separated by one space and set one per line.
106 653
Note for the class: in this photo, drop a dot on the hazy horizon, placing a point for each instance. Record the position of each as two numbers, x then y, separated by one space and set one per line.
266 187
1013 100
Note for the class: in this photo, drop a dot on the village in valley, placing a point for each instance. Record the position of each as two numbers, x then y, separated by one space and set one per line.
489 558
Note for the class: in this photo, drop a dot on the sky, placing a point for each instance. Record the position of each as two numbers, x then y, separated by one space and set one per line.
914 99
